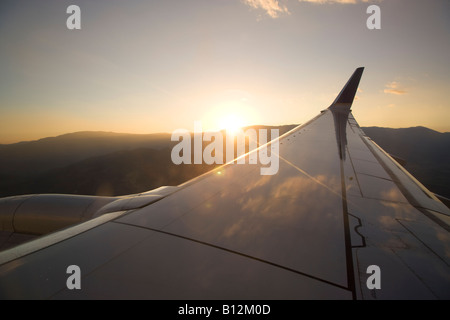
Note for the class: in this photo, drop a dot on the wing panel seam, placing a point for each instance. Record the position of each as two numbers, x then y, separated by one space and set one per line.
238 253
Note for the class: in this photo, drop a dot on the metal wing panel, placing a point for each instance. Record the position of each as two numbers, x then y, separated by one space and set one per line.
171 267
337 205
398 235
288 228
298 209
42 274
411 266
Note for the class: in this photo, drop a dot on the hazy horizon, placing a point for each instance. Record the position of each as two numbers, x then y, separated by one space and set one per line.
168 133
157 66
67 163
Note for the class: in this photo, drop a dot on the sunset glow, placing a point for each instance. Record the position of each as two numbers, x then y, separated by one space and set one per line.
232 123
156 66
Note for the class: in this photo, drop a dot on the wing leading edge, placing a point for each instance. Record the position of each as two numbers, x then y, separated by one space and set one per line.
337 205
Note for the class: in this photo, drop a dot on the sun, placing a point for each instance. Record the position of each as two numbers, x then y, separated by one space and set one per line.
231 123
231 115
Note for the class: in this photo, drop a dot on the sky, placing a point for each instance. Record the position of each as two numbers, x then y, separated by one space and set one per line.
156 66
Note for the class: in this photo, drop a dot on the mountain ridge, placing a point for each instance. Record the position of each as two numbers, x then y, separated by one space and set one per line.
81 162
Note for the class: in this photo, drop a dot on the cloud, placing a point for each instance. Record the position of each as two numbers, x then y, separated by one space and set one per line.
272 7
334 1
394 88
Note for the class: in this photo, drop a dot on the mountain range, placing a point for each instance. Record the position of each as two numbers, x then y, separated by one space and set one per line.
111 164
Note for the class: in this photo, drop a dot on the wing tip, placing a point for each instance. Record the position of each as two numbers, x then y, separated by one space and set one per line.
347 94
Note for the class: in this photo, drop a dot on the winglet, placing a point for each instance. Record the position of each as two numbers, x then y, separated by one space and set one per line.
345 98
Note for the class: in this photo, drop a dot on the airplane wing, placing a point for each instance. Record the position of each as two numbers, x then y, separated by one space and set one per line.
339 220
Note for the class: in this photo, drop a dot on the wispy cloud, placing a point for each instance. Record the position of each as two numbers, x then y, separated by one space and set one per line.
394 88
360 91
334 1
272 7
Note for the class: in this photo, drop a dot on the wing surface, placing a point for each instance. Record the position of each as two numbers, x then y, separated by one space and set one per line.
337 205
